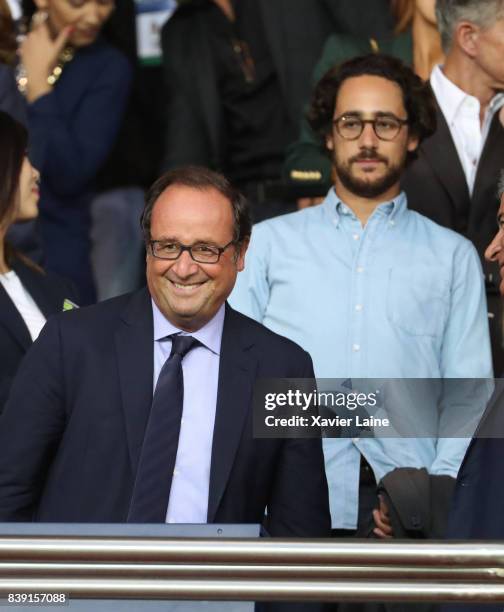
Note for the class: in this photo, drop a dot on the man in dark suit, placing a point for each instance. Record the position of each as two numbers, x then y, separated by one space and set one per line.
478 503
78 431
236 74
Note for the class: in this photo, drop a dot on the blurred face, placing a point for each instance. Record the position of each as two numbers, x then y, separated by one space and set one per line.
426 10
87 17
489 51
495 250
188 293
28 192
369 167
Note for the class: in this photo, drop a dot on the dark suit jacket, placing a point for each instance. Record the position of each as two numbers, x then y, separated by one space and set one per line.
295 32
72 431
72 130
436 184
418 502
48 292
477 511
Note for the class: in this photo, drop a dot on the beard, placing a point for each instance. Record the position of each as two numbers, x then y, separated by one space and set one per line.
371 187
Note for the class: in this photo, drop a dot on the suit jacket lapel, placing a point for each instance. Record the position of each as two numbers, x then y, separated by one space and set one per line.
234 399
13 321
490 163
135 357
440 152
46 300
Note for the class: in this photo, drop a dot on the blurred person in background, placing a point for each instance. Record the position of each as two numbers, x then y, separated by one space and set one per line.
416 42
117 252
76 86
27 294
365 18
236 74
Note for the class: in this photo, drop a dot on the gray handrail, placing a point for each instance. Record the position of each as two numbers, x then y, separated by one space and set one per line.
242 569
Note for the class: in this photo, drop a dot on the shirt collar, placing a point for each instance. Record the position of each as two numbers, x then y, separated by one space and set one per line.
210 335
451 98
336 208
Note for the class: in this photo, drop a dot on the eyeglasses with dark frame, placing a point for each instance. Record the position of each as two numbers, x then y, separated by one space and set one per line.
386 127
200 252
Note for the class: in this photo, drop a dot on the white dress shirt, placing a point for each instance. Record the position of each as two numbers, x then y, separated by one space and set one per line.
188 501
23 301
462 114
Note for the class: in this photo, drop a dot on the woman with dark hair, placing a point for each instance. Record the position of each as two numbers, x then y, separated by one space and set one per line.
416 42
77 87
27 295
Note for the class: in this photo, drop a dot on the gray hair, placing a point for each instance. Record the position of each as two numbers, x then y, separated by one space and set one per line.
449 13
500 185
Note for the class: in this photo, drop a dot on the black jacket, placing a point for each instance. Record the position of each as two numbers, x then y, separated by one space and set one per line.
72 430
48 291
295 32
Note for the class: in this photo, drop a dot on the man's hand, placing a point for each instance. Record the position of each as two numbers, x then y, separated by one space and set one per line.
381 518
39 55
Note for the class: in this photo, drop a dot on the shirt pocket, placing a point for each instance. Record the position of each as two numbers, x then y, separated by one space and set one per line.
418 300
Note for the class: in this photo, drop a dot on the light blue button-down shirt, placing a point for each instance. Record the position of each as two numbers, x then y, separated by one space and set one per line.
188 501
401 297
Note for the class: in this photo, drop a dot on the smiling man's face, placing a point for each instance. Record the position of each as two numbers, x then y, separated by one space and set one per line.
188 293
495 250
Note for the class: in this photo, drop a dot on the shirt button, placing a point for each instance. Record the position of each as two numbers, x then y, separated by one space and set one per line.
358 307
175 472
360 269
356 347
356 236
391 223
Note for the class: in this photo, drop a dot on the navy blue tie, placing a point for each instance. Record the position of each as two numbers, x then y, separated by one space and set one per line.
151 490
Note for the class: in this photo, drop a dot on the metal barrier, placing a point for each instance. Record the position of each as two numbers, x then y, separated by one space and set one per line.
243 570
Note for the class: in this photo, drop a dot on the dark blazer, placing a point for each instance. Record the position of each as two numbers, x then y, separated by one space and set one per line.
72 130
295 32
48 291
72 431
418 502
436 184
477 511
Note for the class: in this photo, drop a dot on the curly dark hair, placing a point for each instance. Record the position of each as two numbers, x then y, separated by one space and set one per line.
417 95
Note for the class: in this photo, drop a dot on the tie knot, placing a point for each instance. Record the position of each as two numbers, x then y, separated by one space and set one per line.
181 345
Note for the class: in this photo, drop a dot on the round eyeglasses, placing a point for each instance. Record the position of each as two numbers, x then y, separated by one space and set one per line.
386 127
200 252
